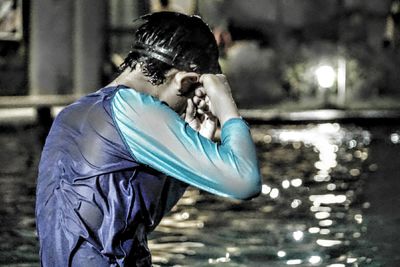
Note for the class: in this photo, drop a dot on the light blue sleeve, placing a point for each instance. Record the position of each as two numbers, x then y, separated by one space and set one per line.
156 136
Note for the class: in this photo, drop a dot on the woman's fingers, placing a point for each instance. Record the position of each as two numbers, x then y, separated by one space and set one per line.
200 92
190 111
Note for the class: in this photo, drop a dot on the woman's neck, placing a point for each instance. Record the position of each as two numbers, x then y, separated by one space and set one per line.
136 80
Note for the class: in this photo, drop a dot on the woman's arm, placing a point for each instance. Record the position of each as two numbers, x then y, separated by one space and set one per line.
156 136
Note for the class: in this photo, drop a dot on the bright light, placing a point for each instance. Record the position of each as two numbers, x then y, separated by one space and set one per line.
285 184
265 189
281 253
328 243
294 262
295 203
358 218
322 215
314 230
325 76
296 182
274 193
298 235
315 259
395 138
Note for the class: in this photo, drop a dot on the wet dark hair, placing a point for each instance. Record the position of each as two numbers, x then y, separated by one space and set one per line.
166 40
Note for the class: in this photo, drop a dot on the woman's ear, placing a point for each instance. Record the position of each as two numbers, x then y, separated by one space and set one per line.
185 79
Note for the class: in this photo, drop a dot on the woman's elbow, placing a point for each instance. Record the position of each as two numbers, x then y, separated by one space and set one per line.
248 188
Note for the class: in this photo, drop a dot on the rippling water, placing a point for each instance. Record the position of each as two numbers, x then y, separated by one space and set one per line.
329 198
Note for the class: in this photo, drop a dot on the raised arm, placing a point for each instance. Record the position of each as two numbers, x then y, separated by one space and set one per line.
156 136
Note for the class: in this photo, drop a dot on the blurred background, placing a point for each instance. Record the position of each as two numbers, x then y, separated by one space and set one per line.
318 81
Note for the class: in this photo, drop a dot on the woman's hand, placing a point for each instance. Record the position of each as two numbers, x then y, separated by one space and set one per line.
203 122
220 101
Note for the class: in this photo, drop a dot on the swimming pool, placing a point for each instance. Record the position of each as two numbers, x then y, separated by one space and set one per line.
329 198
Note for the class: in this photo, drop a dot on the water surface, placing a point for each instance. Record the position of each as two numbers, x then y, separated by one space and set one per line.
329 198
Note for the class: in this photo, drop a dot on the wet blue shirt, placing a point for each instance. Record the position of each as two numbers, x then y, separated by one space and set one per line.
105 176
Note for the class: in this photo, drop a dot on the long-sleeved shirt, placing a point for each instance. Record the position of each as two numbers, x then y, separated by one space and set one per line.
156 136
115 162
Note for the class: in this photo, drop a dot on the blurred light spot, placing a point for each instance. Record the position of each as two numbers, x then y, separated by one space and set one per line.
364 155
274 193
281 253
296 145
325 223
298 235
373 167
395 138
295 203
285 184
350 193
267 139
324 231
357 235
314 259
327 199
184 216
294 262
296 182
319 178
366 205
313 230
265 189
339 235
331 187
232 249
340 215
351 260
358 218
319 208
322 215
357 154
220 260
352 144
354 172
325 76
328 243
336 265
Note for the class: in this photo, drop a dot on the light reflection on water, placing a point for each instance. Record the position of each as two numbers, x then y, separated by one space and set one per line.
311 212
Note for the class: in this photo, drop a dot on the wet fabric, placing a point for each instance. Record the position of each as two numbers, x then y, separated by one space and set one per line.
98 194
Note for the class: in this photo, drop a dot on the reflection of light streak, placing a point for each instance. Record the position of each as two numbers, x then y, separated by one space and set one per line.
265 189
328 243
322 215
274 193
285 184
296 182
294 262
325 223
298 235
327 199
295 203
281 253
351 260
325 231
358 218
314 230
220 260
314 259
324 138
